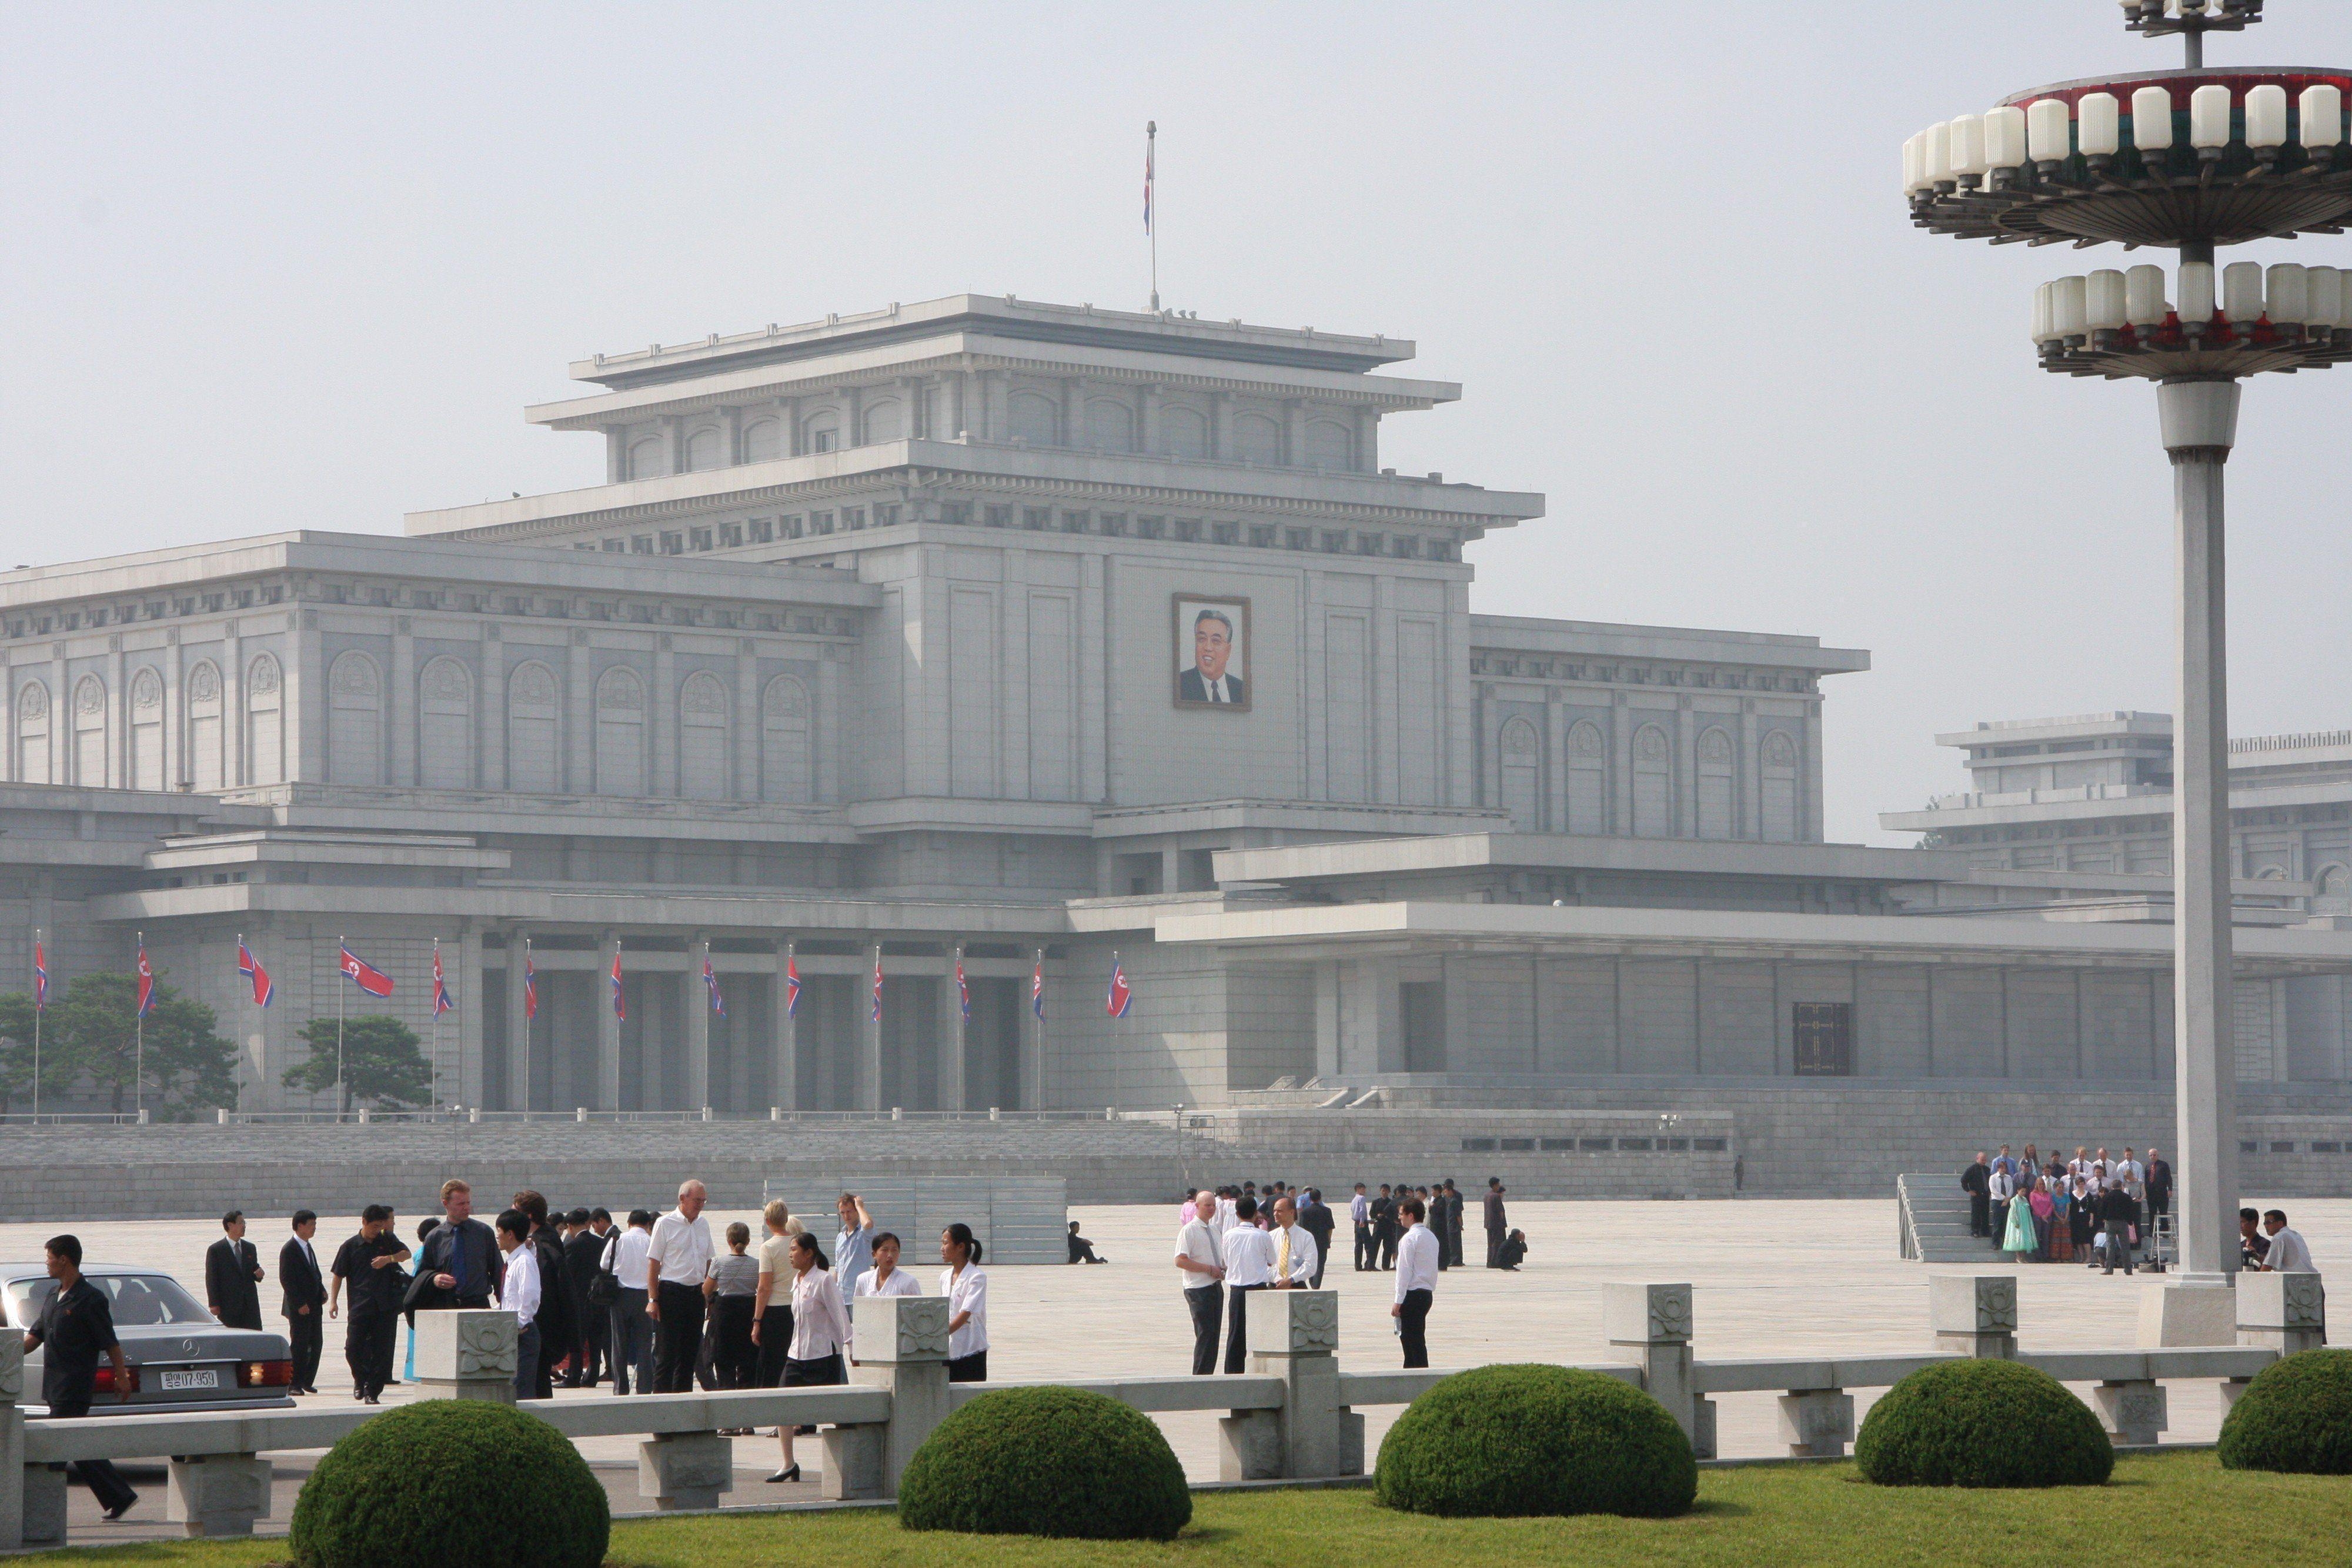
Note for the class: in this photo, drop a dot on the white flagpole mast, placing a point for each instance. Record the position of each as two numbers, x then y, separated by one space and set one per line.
1152 202
341 946
41 1000
527 1022
138 1039
432 1098
251 1011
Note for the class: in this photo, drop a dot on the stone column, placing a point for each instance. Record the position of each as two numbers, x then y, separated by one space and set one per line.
902 1345
784 1054
517 1024
466 1352
1817 1423
217 1494
745 733
608 1028
12 1450
685 1469
1974 1314
1655 1321
697 1026
869 1088
1686 769
1294 1335
1621 766
2133 1410
467 1081
661 719
953 1028
2288 1313
400 711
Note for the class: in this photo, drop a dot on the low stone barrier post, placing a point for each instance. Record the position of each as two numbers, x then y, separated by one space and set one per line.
1974 1314
467 1352
685 1469
1655 1322
2133 1410
2286 1312
901 1346
1817 1423
217 1494
1294 1336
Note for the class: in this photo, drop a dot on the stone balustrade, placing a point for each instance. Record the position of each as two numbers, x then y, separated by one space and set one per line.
1296 1416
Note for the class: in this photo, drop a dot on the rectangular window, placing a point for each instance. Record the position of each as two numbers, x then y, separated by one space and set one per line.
1298 538
1555 1145
763 530
1639 1144
642 544
731 534
1261 536
2322 1146
1226 533
853 519
1477 1145
1036 520
701 538
820 522
1595 1146
616 547
1517 1145
1824 1039
1711 1146
673 543
1424 1025
2283 1146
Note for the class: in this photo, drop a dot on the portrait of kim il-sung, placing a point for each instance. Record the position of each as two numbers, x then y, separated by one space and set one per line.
1212 651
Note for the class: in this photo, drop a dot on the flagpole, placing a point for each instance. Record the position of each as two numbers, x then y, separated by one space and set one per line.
433 1100
342 945
138 1038
1151 201
40 1006
527 1022
250 1011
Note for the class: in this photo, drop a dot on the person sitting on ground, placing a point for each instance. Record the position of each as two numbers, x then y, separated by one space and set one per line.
1081 1249
1513 1252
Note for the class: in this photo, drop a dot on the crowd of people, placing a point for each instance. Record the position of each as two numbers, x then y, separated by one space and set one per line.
2093 1209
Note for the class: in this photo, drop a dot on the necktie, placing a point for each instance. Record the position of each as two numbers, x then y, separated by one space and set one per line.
1282 1269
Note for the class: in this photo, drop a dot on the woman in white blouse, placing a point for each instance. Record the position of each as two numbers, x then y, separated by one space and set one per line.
965 1285
886 1278
820 1335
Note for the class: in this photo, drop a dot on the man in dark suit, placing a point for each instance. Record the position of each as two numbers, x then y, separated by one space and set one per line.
1976 1182
232 1273
1384 1229
1317 1220
1212 649
305 1288
1497 1227
1452 1237
1438 1215
461 1264
590 1325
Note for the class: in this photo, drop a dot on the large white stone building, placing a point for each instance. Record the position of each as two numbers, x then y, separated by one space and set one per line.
961 632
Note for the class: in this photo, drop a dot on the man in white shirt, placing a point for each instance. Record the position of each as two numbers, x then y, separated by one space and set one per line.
1249 1266
2289 1253
2129 1170
2080 1165
1202 1267
1295 1251
518 1292
1416 1282
677 1260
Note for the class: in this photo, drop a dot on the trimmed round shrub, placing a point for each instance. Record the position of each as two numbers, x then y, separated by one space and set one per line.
452 1483
1047 1461
2295 1416
1507 1441
1982 1424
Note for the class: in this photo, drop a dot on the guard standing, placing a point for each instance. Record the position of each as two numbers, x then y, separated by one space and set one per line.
75 1326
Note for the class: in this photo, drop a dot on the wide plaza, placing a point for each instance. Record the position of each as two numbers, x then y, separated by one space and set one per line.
1770 1277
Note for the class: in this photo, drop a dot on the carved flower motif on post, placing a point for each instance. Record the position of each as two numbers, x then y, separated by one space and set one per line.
1996 1306
922 1328
485 1344
1314 1319
2305 1299
1670 1312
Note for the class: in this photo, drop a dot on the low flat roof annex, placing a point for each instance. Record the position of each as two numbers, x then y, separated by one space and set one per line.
1540 634
1563 852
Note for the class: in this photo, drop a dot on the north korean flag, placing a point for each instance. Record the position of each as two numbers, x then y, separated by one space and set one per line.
259 978
366 976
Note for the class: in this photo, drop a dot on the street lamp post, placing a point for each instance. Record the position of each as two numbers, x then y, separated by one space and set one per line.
2187 159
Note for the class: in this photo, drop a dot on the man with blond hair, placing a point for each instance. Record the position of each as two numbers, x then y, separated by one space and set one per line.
461 1264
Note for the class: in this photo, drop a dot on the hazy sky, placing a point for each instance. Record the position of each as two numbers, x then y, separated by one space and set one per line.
302 266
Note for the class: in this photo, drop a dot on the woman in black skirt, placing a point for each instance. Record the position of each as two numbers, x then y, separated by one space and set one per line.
771 1307
820 1329
965 1285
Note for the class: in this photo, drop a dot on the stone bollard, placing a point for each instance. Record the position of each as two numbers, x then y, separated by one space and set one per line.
902 1345
1974 1315
2288 1313
2133 1410
466 1352
1657 1321
217 1494
1294 1336
685 1469
1817 1423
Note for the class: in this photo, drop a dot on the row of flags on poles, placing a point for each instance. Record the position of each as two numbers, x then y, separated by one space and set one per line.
376 983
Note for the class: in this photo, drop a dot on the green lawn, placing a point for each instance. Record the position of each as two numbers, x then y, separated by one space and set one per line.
2161 1513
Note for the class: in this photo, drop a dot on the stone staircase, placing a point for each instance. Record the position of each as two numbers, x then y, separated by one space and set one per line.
1934 1221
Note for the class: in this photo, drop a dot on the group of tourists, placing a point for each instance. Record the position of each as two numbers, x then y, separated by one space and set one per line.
1380 1225
2092 1209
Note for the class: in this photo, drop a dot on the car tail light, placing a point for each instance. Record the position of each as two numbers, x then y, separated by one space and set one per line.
105 1385
265 1374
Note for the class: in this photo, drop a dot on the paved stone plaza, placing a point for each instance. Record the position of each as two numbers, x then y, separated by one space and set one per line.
1772 1277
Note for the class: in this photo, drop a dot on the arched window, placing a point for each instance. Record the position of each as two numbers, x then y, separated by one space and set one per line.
89 733
1110 425
146 731
1588 778
702 738
2334 892
1717 777
821 432
1654 783
646 459
354 721
534 727
706 448
1522 769
1331 445
207 753
33 733
762 440
1036 419
885 421
620 733
1256 439
785 754
444 725
1184 431
265 721
1777 793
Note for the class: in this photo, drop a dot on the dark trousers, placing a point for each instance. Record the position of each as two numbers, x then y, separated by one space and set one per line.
632 1348
104 1481
972 1368
1208 1307
775 1345
739 1359
1238 1325
1414 1331
1494 1246
1980 1214
306 1336
1363 1245
1388 1240
527 1378
367 1349
588 1360
677 1338
1453 1246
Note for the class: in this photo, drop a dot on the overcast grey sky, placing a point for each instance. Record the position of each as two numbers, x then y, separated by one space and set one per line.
300 266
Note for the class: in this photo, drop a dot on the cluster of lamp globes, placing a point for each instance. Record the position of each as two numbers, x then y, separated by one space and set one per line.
1986 151
2118 311
2219 10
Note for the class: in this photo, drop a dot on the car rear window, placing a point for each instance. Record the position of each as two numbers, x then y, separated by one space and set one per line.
138 1301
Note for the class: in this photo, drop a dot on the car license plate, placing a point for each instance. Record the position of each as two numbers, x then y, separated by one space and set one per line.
177 1382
